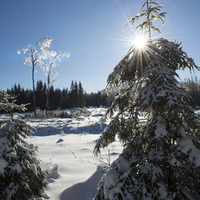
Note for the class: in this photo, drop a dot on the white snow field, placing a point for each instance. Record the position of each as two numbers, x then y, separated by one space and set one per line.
66 150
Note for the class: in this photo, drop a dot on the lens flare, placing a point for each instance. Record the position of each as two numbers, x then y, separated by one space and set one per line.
140 42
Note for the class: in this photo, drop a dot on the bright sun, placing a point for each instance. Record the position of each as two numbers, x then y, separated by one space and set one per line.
140 42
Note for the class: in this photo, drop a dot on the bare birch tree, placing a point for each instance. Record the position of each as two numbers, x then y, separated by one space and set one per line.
54 62
36 54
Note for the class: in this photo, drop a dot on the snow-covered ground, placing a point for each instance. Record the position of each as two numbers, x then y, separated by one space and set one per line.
66 150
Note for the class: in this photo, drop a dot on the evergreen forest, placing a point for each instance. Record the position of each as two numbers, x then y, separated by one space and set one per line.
58 99
77 97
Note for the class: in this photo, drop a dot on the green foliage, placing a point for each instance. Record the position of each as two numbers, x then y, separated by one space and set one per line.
127 76
75 97
7 104
162 151
130 69
151 13
21 176
160 159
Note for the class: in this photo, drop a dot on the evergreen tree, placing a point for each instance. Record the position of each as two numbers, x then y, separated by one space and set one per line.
73 96
19 94
41 94
55 96
65 98
57 99
21 97
21 176
96 99
160 159
51 97
29 100
81 97
150 13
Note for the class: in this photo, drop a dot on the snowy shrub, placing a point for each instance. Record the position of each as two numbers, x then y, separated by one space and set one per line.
40 113
161 156
67 114
21 176
64 114
26 116
74 114
84 111
53 173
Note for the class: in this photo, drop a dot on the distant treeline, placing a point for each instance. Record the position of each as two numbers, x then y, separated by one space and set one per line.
193 87
65 98
77 97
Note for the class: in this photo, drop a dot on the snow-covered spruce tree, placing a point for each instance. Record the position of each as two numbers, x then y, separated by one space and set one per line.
21 176
160 160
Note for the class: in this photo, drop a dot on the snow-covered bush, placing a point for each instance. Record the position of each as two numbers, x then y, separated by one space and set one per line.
21 176
84 111
64 114
67 114
41 114
160 157
74 113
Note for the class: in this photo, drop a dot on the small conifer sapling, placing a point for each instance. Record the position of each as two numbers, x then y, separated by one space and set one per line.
21 176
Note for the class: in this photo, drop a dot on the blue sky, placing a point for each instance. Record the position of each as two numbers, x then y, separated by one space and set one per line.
91 30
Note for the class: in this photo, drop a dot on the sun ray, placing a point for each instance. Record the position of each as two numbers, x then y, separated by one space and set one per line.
140 42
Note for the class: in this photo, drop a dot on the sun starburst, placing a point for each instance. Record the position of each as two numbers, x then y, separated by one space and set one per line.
140 42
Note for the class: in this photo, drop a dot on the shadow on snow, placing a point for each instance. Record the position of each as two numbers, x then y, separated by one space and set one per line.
84 190
67 129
